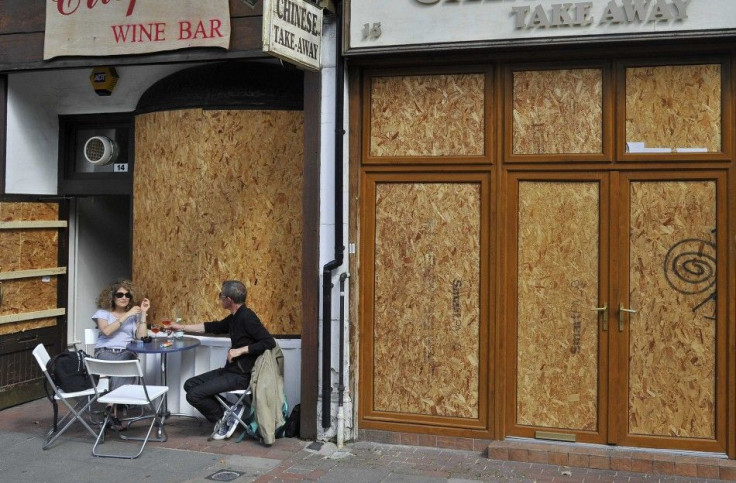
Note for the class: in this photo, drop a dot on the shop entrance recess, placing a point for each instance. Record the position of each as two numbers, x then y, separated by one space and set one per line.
617 313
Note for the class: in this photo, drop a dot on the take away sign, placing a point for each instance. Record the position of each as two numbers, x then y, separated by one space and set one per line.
122 27
292 31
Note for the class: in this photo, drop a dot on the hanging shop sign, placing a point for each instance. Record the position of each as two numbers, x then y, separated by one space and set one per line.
122 27
416 24
292 31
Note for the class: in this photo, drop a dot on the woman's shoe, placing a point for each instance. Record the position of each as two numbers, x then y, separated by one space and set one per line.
115 424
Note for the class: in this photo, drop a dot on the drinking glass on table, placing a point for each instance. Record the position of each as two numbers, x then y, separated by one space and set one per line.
155 329
167 324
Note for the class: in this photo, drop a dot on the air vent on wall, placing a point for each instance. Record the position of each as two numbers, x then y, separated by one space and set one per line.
100 150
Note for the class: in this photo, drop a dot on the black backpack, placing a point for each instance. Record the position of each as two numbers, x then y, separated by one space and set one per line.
69 373
291 428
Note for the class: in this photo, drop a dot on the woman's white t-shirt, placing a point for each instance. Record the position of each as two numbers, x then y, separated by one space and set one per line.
121 337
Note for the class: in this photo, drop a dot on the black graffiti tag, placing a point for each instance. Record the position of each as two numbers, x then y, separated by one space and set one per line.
690 268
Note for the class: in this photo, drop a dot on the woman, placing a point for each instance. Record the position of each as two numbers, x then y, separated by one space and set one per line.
120 321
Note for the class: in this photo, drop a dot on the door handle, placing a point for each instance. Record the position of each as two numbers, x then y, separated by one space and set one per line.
621 311
603 309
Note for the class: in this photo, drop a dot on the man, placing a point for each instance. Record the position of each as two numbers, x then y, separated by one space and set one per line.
248 340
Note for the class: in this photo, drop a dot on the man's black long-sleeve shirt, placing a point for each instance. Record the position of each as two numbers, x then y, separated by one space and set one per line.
245 329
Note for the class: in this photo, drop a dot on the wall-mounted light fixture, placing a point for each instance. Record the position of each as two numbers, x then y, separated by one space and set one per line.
104 80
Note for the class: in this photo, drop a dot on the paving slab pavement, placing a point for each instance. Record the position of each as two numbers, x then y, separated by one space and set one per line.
188 457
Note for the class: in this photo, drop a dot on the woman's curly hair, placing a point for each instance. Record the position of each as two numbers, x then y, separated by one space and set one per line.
106 299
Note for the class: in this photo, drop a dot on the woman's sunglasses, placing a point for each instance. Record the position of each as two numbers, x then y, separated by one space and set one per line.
119 295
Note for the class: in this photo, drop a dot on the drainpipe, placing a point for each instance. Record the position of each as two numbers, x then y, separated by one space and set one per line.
340 380
339 247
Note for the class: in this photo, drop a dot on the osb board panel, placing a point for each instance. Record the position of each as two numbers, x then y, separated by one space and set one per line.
27 295
673 334
557 345
558 111
16 327
429 115
28 211
674 106
218 196
27 249
426 307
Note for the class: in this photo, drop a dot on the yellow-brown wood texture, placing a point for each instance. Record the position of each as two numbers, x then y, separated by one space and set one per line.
217 197
672 359
427 275
428 115
674 106
27 249
558 111
557 333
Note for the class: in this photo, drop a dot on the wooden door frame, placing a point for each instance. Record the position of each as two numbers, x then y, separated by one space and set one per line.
369 418
513 178
618 421
614 382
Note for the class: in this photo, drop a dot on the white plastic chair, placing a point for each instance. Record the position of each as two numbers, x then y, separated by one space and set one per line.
131 394
90 339
83 399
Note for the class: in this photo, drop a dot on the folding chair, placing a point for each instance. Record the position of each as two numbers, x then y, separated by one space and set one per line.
243 397
130 394
90 340
83 400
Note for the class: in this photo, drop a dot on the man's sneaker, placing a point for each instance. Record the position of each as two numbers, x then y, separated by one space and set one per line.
232 421
221 432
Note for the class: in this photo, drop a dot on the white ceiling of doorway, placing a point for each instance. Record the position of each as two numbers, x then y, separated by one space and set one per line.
70 91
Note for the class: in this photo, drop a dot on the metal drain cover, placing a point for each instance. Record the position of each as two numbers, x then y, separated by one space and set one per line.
224 475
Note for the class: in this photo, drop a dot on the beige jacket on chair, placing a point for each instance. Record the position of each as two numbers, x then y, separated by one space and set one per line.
267 384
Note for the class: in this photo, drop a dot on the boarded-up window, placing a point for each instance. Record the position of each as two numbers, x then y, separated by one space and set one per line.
673 109
430 115
558 111
427 299
218 195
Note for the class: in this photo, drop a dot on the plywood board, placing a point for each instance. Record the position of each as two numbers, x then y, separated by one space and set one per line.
28 211
28 249
218 196
28 295
557 332
675 106
672 340
427 292
558 111
428 115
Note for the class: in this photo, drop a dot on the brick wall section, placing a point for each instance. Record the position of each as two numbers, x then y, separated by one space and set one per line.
613 458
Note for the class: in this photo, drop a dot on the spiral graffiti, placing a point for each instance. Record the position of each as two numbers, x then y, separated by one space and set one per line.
690 266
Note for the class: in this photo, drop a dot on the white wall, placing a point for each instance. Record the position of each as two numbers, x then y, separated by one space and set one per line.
99 252
327 235
36 99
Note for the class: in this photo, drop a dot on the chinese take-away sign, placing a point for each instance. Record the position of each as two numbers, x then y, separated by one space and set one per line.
121 27
292 30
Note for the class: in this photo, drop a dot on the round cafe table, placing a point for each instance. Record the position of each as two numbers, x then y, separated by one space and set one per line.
163 346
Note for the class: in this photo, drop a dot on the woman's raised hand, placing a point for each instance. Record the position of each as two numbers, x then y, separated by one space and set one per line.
145 305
